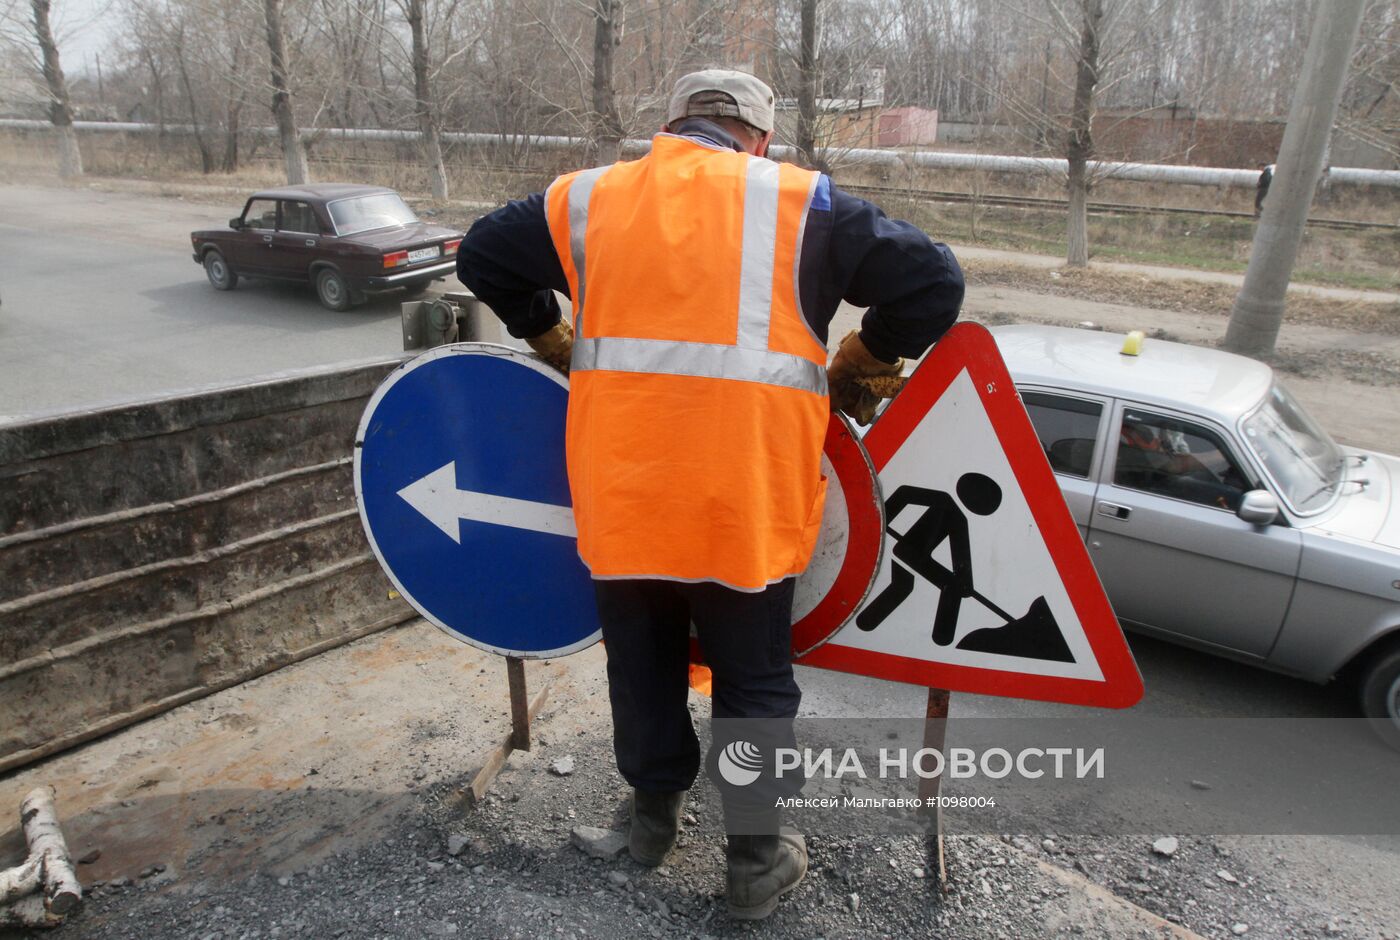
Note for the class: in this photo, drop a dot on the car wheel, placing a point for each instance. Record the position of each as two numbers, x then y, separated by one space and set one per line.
1380 695
218 271
332 290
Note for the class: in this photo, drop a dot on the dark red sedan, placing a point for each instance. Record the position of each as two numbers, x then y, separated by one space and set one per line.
344 239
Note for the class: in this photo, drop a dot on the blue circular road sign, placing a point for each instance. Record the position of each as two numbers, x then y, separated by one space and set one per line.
462 489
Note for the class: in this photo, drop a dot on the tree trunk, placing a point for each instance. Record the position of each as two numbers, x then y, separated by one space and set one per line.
423 103
70 159
292 152
62 892
231 124
1080 149
21 880
233 110
158 91
607 123
206 156
806 141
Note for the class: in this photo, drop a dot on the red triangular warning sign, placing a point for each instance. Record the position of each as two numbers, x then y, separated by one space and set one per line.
984 583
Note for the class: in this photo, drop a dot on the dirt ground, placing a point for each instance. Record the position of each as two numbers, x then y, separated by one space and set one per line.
326 800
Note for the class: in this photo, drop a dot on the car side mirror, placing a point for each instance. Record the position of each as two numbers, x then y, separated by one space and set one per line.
236 223
1258 507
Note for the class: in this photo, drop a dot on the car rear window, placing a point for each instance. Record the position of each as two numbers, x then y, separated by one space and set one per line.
363 213
299 217
1067 428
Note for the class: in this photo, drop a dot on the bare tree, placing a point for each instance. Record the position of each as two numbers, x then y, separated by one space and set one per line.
35 41
293 154
1370 107
826 60
607 80
235 97
1080 147
807 80
1048 81
424 108
605 122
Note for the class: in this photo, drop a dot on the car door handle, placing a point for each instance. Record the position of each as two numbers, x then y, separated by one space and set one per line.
311 243
1114 511
267 239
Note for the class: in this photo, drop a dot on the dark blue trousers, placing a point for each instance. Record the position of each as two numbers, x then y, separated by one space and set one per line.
746 640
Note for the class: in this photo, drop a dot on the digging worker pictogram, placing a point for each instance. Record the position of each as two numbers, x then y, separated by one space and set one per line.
941 521
703 278
1034 635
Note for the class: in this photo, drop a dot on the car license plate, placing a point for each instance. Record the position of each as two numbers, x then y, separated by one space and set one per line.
423 254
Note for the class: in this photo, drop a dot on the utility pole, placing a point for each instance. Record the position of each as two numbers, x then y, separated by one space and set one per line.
1258 310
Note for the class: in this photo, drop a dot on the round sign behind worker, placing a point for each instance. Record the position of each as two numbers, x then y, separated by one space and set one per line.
462 489
849 547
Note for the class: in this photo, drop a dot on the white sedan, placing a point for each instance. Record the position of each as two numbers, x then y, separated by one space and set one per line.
1216 510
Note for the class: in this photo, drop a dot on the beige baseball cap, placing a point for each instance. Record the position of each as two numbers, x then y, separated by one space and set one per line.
751 99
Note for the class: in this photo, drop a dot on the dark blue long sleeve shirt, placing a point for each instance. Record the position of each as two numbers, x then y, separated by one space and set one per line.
912 285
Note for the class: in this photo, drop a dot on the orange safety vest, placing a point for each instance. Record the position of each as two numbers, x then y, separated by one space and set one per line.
697 391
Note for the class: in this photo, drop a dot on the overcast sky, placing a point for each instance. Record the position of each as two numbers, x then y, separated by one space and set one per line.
86 29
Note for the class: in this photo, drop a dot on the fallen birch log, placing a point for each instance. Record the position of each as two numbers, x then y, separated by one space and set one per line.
16 882
39 892
28 912
62 890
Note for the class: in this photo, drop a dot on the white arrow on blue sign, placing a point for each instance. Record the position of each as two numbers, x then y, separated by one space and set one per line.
462 489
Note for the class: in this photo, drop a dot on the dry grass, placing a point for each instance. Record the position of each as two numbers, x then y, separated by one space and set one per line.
1182 295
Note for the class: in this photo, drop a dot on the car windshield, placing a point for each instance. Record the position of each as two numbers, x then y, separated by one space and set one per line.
1303 461
362 213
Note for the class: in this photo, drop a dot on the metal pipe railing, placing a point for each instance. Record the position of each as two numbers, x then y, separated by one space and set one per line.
893 159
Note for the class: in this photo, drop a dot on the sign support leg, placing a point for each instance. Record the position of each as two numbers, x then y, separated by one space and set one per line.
519 707
522 711
935 733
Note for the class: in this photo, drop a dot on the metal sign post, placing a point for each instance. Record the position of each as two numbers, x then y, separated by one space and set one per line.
935 736
518 739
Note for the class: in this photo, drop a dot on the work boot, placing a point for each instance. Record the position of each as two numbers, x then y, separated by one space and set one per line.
656 819
762 869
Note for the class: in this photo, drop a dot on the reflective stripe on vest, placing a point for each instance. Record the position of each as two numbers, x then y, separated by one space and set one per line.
749 359
579 194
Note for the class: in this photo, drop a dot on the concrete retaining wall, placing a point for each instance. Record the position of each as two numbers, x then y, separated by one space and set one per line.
153 553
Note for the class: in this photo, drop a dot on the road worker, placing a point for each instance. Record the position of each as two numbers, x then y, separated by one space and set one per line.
703 278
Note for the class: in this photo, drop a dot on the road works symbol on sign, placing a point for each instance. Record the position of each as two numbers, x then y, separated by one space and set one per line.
460 477
1036 635
986 585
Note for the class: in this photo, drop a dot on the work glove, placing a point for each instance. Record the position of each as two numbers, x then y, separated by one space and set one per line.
555 345
858 381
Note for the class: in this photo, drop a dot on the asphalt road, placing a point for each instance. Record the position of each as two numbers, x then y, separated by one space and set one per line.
103 302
